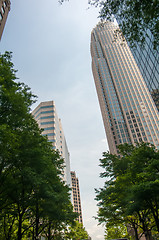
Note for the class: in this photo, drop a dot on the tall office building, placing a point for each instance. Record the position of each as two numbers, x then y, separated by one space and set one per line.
128 110
4 10
46 116
147 59
76 196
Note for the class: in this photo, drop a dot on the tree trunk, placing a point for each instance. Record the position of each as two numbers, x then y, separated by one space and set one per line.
49 231
155 215
10 229
157 223
148 235
136 233
134 228
146 231
20 227
37 221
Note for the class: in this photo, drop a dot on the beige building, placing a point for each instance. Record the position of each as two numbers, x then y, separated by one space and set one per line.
4 10
128 110
46 116
76 196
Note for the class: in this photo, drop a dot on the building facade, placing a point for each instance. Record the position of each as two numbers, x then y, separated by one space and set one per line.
76 196
128 110
4 10
147 59
46 116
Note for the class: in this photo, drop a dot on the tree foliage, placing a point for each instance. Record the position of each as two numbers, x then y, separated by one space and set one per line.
116 232
137 19
76 232
131 192
33 196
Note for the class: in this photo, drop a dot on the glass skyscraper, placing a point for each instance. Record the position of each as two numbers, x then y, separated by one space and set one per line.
147 59
128 110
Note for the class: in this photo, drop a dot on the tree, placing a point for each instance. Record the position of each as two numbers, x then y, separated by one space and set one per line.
115 232
137 19
15 102
32 192
76 232
131 191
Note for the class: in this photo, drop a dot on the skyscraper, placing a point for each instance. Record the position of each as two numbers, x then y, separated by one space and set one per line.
128 110
76 196
4 10
46 116
147 59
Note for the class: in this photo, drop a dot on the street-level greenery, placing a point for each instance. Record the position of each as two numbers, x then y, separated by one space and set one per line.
34 200
76 231
130 195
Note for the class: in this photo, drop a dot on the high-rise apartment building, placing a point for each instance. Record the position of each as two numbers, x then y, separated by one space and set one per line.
4 10
76 196
46 116
128 110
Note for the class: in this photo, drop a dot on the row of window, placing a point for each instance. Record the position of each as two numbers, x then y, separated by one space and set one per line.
48 134
49 128
43 107
2 10
52 140
51 122
47 117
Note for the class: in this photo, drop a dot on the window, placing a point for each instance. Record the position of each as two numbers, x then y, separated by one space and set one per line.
52 140
49 128
49 134
2 10
1 17
46 117
43 107
44 112
51 122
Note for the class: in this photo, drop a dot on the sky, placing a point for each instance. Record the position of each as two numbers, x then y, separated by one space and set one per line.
51 51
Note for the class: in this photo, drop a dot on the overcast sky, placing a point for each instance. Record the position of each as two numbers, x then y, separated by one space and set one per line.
51 51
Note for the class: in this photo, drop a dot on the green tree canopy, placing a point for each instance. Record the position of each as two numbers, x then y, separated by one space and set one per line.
131 191
76 232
